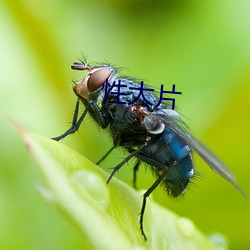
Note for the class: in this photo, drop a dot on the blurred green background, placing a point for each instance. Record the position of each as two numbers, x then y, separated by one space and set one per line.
203 47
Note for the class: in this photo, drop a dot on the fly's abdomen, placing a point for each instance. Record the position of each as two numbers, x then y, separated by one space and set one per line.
180 166
178 176
169 155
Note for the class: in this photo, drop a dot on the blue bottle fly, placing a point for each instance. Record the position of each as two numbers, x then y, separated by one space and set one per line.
150 131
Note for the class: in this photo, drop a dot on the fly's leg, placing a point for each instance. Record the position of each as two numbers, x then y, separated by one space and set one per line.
136 167
99 116
145 196
125 160
91 107
75 123
105 155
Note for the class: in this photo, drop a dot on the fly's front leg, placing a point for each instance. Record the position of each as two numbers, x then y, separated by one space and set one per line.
97 114
75 123
93 109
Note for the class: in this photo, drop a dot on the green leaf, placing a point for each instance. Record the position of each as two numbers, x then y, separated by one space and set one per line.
107 215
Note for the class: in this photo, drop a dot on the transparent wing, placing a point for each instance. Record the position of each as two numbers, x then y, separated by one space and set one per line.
174 123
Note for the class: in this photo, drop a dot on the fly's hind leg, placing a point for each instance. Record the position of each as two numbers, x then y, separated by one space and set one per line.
145 196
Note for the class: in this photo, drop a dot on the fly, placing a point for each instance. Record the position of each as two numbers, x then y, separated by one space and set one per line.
153 133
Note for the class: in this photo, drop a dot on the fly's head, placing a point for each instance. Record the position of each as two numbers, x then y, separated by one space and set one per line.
90 86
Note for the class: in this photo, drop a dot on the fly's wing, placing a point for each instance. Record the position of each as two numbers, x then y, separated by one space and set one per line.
212 160
174 123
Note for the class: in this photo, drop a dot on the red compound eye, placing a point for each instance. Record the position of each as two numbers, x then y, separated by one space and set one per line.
97 79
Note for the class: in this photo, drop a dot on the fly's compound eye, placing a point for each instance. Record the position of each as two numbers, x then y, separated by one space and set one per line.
97 79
